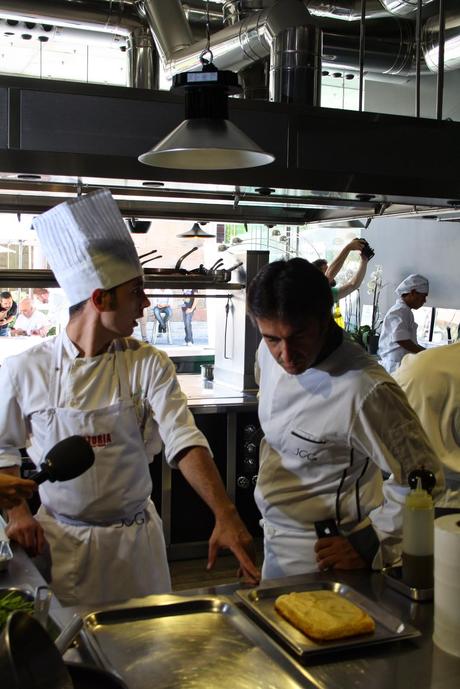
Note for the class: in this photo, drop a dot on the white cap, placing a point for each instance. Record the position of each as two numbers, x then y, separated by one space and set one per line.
87 245
417 282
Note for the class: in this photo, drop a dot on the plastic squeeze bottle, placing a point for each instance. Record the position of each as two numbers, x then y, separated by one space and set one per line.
418 539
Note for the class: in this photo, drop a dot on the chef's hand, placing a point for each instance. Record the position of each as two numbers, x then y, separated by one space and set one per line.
230 532
14 489
25 530
336 552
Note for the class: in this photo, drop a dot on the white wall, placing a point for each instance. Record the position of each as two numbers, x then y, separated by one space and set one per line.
399 99
406 246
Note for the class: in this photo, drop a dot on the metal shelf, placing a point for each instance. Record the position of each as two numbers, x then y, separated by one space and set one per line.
45 278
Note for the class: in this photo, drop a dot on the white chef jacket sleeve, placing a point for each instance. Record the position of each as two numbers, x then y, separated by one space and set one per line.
401 326
176 424
13 433
388 431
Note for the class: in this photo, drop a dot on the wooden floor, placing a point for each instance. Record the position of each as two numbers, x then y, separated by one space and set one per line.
189 574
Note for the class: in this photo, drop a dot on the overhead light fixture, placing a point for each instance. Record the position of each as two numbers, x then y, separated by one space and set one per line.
206 139
196 232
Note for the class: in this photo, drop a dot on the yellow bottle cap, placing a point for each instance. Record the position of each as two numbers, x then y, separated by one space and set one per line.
418 498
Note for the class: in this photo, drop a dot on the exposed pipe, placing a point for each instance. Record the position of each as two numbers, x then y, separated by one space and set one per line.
144 64
235 11
169 27
346 10
403 8
239 45
431 40
440 80
196 12
295 66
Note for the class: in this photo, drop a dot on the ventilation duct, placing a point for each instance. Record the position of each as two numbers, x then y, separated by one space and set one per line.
403 8
345 10
451 41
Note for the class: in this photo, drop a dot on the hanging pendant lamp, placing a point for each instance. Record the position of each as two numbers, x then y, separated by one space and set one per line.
196 232
206 139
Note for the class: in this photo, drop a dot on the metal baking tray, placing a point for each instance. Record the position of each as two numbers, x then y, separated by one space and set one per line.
393 579
261 602
183 642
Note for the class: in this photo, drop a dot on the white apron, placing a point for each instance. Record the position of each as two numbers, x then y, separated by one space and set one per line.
105 536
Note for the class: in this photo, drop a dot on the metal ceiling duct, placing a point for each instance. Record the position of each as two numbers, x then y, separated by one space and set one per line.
403 8
345 10
451 38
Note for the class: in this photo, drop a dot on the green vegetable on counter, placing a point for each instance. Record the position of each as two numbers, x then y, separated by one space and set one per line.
11 602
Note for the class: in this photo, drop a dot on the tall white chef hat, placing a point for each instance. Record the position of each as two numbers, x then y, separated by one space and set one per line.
87 245
417 282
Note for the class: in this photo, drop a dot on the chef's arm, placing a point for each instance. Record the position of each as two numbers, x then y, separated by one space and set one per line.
199 469
411 346
387 430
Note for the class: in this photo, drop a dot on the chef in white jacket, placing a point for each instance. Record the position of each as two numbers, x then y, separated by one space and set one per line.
399 329
333 420
104 534
431 381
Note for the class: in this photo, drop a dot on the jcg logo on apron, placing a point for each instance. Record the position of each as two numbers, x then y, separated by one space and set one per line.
93 507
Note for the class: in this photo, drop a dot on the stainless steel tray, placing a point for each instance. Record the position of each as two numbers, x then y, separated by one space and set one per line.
393 579
261 602
180 642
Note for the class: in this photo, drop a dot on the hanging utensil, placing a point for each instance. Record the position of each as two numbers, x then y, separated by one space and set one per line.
177 270
148 253
181 258
154 258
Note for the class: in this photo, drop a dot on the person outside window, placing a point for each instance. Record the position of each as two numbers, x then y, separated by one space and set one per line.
162 311
8 312
30 321
188 308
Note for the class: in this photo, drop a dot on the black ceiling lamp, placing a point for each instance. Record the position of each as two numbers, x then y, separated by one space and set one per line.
206 139
196 232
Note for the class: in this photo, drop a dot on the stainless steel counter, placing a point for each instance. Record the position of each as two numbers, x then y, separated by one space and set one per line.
205 398
408 664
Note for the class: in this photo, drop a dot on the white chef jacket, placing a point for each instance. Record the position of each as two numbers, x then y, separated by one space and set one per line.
36 321
91 383
320 427
431 381
398 324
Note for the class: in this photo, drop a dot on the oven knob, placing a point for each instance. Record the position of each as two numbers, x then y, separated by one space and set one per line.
243 482
250 448
250 464
249 430
254 480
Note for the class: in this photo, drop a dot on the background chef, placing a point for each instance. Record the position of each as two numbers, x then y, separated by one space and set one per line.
105 536
333 420
431 381
399 329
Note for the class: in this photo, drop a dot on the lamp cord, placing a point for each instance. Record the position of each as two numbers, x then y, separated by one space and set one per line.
207 51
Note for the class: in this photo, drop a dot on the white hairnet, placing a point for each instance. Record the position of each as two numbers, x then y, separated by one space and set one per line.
417 282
